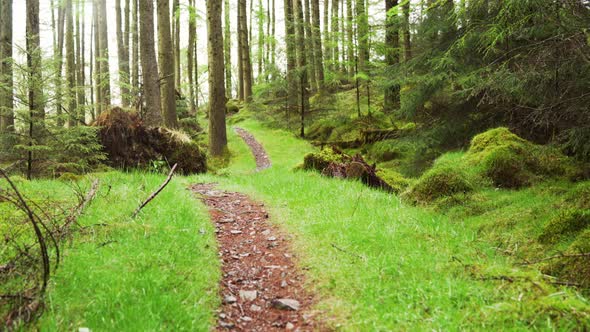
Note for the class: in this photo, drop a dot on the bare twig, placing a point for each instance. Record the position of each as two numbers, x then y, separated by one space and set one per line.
155 193
348 252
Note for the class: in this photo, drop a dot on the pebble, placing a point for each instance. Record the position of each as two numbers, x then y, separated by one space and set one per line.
255 308
286 304
229 299
290 326
248 295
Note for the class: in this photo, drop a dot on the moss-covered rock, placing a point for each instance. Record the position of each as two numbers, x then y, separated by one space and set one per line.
439 182
494 138
567 223
232 106
397 181
320 160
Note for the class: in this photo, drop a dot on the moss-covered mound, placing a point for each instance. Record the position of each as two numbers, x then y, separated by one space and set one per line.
321 160
567 223
128 143
512 162
440 181
394 179
574 267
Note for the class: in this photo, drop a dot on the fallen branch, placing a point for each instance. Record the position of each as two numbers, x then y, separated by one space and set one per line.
155 193
73 217
348 252
585 254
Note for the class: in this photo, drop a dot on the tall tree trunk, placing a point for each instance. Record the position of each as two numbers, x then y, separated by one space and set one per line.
70 66
123 56
80 62
217 130
391 97
290 40
273 39
35 81
362 36
97 63
335 36
260 49
327 41
350 39
309 44
197 84
149 65
177 64
135 49
192 20
301 64
246 59
317 40
267 42
58 58
93 111
166 62
240 49
227 48
104 54
406 32
6 72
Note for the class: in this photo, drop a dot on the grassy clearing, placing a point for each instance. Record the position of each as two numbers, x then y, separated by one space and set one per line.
397 267
157 272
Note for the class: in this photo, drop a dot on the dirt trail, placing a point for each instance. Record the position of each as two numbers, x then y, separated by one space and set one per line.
262 160
261 287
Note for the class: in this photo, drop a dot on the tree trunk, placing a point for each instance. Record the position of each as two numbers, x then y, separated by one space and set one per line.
80 63
123 57
217 130
135 50
227 48
166 62
246 59
192 20
327 42
309 44
149 66
391 97
406 32
273 38
177 64
362 36
104 55
301 65
70 66
317 40
240 48
260 49
350 39
6 72
97 63
335 36
58 57
290 40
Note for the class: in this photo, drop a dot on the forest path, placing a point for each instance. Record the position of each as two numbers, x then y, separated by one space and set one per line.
262 159
261 287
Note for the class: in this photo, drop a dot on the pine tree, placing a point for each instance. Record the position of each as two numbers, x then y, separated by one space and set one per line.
123 54
6 71
166 63
149 65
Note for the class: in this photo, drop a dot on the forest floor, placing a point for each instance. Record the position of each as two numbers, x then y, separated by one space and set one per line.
370 261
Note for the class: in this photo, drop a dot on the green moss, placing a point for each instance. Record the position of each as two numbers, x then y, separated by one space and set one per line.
494 138
439 182
568 222
397 181
232 106
573 269
320 160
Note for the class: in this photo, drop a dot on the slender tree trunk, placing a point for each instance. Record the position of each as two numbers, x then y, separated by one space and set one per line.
406 32
391 97
267 42
93 111
350 39
103 56
192 20
240 49
227 48
317 40
123 57
80 62
217 130
246 59
6 72
335 35
301 64
290 40
58 57
177 64
362 36
149 66
309 44
327 42
135 49
166 62
197 84
35 81
70 66
97 63
273 39
260 21
343 48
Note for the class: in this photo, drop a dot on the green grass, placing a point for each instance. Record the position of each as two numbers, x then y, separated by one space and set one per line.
419 270
157 272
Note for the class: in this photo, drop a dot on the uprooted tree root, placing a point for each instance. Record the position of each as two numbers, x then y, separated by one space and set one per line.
31 250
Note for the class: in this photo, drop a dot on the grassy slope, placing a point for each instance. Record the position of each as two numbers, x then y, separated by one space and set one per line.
418 270
158 272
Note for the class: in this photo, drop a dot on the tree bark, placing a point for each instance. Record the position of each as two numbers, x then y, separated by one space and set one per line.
290 40
227 48
391 97
350 39
135 49
80 62
240 48
166 63
301 64
309 44
260 49
335 36
406 32
317 40
362 36
123 56
217 129
6 72
97 63
70 66
104 55
327 42
58 57
177 64
149 66
190 55
246 59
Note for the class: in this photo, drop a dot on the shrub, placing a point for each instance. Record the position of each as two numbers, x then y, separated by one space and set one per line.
439 182
568 222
